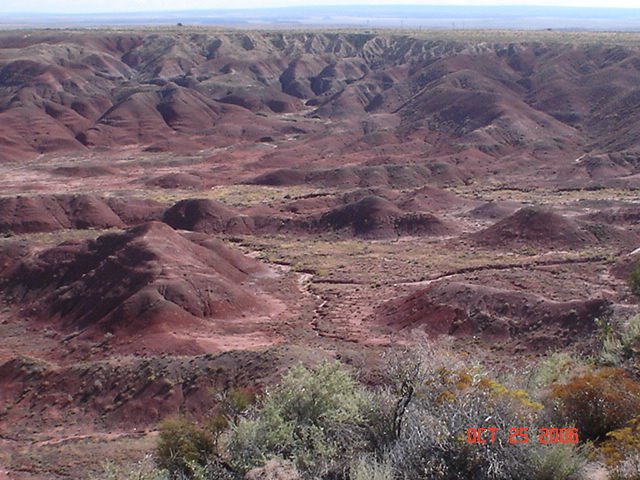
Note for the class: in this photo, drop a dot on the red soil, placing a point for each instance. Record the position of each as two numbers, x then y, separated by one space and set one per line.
466 310
450 110
145 280
47 213
532 226
373 216
393 176
207 216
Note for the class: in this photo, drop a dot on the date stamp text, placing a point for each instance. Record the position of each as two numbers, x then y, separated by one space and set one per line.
523 435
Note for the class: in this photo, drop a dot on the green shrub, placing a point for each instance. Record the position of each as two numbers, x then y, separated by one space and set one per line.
621 342
559 367
321 424
182 445
557 461
634 281
231 403
381 418
314 418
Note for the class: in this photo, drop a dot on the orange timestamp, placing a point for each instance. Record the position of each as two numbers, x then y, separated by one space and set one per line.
522 435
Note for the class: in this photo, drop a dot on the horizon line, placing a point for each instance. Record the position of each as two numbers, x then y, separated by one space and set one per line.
320 6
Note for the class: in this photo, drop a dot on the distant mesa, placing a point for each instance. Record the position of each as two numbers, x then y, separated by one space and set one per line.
47 213
369 216
626 265
147 279
601 167
270 100
133 211
11 254
620 216
281 177
357 194
210 216
358 213
540 227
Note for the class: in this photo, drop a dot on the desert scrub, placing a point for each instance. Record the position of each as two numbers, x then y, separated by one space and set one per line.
368 467
189 450
557 461
620 341
621 449
633 281
558 367
147 470
313 418
443 399
596 402
183 445
413 425
144 469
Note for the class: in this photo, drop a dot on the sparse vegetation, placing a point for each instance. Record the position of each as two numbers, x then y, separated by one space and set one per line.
184 445
557 368
558 462
634 281
314 418
449 398
370 468
621 449
620 341
144 469
597 402
328 426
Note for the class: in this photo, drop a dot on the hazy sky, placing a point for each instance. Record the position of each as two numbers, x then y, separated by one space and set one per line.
95 6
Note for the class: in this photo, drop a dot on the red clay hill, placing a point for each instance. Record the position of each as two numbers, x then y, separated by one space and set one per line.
145 280
46 213
208 216
358 105
377 217
324 153
359 213
540 227
393 176
535 226
466 310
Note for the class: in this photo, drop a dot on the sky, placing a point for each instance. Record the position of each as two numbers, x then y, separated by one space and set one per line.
121 6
